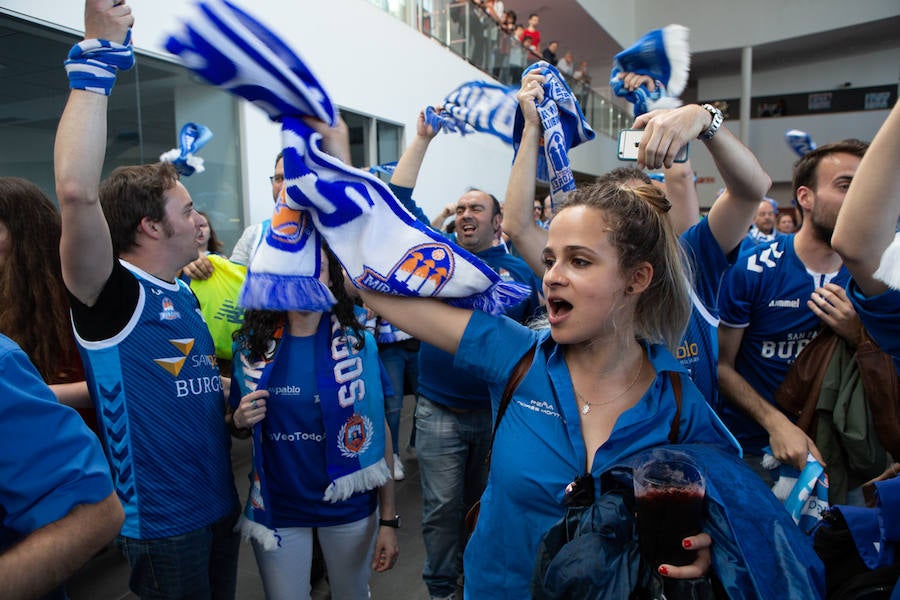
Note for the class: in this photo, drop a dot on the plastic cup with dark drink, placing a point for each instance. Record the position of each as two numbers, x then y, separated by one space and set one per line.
668 490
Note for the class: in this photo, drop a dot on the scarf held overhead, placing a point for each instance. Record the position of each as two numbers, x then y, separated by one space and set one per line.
564 128
486 107
381 245
662 54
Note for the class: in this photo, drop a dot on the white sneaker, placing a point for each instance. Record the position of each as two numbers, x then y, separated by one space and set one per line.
399 472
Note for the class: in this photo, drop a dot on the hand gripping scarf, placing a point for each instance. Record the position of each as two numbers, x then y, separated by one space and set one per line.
380 245
348 382
662 54
486 107
564 128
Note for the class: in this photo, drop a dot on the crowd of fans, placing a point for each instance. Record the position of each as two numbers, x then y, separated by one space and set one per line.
643 325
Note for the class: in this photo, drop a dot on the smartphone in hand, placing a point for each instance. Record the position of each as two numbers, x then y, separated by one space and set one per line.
629 139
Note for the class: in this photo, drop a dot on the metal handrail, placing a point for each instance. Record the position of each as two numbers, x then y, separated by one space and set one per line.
453 23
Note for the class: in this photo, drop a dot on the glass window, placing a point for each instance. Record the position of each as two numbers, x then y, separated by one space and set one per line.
147 108
389 140
372 142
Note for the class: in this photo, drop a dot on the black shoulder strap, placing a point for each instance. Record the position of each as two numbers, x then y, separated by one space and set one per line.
514 379
676 420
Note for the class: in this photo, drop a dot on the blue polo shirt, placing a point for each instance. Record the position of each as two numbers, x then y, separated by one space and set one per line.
50 462
539 447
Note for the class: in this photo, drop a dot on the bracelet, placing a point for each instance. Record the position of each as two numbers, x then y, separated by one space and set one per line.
717 118
392 523
93 64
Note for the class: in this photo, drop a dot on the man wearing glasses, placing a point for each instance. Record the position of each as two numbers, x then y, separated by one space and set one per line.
252 236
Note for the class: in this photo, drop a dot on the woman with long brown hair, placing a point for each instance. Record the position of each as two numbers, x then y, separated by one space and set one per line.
35 305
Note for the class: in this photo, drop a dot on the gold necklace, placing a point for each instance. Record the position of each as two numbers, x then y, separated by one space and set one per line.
586 409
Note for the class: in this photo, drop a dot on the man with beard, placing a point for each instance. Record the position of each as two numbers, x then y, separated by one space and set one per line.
763 229
148 355
774 301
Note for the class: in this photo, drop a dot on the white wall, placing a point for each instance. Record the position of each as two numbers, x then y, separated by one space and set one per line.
738 23
767 143
369 62
618 18
872 68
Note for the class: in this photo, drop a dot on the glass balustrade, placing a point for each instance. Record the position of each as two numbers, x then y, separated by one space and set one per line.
474 36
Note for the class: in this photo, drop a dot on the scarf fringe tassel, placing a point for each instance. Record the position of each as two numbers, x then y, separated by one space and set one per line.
664 102
285 292
363 480
889 268
675 41
495 299
251 530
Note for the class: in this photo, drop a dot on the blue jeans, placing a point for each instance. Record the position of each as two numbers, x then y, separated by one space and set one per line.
199 564
451 449
402 365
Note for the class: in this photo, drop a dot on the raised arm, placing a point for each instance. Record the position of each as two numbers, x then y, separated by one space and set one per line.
518 217
682 193
746 183
86 251
429 320
868 218
407 171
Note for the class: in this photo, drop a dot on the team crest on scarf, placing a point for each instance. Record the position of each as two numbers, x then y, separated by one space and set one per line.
355 436
423 271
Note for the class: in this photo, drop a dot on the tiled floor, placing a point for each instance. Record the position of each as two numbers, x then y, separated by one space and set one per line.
106 576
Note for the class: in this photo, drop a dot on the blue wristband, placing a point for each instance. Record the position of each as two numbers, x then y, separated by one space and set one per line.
93 64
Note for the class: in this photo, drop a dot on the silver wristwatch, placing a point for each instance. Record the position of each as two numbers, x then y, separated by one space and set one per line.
717 119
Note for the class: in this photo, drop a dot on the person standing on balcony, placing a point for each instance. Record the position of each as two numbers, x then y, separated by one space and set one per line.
566 64
549 53
530 36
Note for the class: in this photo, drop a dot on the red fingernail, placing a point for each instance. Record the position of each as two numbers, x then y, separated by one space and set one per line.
686 543
663 570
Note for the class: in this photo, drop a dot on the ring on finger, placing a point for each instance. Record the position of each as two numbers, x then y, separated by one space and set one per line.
253 404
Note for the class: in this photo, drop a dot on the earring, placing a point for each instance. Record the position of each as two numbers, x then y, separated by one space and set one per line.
629 290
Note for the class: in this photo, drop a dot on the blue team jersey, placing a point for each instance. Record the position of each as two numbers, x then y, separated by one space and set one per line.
539 447
445 383
880 315
699 348
293 445
765 294
160 407
756 238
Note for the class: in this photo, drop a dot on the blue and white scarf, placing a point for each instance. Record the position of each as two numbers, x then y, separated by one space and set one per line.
662 54
564 128
349 386
387 168
804 493
485 107
380 244
799 141
192 137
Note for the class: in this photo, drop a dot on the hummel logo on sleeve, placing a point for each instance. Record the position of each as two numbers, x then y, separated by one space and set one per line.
765 258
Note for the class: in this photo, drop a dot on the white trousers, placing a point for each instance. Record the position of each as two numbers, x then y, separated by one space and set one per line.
348 556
